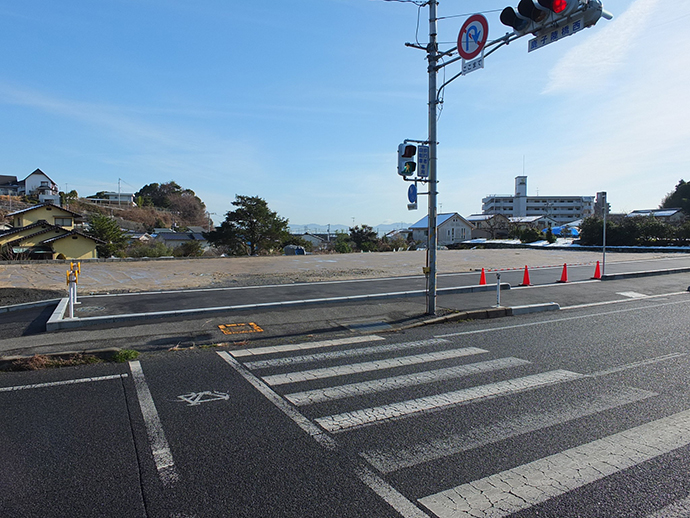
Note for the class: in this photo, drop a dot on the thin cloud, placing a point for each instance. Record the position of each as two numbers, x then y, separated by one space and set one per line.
590 64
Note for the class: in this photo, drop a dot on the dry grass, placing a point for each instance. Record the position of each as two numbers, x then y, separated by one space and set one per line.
41 361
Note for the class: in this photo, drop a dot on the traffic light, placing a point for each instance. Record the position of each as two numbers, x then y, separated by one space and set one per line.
532 16
406 159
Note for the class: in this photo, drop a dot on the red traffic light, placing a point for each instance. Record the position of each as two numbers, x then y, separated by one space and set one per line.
408 151
556 6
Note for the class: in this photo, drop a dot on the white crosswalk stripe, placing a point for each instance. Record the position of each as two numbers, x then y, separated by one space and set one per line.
310 397
347 420
337 355
530 484
303 346
376 365
390 460
338 404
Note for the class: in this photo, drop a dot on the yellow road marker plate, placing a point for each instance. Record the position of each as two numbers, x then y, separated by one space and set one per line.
236 329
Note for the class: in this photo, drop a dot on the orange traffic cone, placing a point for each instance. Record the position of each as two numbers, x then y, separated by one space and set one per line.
525 278
597 272
564 275
482 278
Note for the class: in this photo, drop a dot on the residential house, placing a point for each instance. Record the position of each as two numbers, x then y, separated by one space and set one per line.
317 242
46 231
38 184
451 228
114 198
537 222
673 216
174 239
489 226
9 185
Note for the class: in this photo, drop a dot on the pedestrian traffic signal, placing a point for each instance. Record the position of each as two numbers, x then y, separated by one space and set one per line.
406 159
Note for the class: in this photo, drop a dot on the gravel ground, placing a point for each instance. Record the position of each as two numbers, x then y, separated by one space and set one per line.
29 282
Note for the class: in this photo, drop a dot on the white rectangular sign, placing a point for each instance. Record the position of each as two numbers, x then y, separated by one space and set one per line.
471 66
553 35
423 161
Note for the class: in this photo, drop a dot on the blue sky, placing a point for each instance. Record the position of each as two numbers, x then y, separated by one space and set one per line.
303 102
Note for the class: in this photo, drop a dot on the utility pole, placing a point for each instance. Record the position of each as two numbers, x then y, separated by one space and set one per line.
431 249
547 22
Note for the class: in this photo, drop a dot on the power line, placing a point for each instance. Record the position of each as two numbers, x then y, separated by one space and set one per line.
415 2
467 14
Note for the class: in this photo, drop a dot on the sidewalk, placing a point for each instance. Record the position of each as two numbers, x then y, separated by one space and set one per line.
295 322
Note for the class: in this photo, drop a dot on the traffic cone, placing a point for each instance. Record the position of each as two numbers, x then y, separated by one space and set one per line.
597 272
525 278
482 278
564 275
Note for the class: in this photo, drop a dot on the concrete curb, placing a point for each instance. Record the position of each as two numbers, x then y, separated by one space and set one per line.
649 273
535 308
480 314
28 305
57 321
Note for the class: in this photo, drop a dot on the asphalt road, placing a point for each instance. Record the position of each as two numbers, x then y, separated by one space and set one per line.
582 412
137 303
21 332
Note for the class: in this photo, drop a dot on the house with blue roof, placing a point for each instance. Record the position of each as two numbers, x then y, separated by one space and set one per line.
451 228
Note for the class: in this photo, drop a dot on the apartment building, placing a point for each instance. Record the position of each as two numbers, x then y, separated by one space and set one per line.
561 209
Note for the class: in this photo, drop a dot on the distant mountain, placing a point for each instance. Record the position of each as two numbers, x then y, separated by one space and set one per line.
315 228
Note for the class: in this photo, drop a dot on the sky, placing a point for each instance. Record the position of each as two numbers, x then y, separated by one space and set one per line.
304 102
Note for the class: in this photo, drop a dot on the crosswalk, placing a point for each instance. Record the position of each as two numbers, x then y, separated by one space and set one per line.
334 388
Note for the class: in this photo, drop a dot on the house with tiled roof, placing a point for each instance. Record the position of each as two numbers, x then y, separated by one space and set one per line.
46 231
451 228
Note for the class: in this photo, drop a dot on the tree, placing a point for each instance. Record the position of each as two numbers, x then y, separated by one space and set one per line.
68 197
183 203
106 229
679 198
250 228
364 238
189 249
342 243
530 235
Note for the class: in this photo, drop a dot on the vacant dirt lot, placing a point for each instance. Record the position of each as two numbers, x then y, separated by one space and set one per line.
167 274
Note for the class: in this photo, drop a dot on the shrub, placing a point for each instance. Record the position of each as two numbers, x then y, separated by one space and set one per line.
125 355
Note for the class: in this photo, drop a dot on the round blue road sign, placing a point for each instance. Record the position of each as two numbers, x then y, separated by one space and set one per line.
412 193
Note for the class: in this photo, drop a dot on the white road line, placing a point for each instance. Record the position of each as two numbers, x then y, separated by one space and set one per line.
64 382
393 497
162 455
608 302
634 365
396 500
349 353
310 397
305 424
632 294
356 368
368 416
390 460
552 321
303 346
522 487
